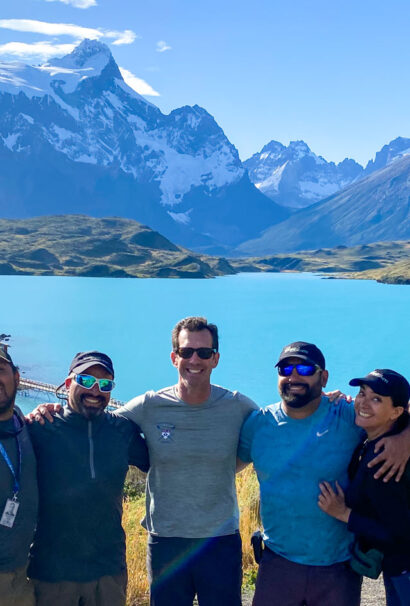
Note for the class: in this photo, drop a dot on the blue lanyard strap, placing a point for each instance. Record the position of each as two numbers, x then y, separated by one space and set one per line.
16 477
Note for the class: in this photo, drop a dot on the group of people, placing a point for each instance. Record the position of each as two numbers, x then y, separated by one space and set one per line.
329 495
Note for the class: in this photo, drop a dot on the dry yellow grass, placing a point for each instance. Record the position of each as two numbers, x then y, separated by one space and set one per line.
247 486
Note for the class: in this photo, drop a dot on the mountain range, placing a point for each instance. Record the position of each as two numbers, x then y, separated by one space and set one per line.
296 177
375 208
76 139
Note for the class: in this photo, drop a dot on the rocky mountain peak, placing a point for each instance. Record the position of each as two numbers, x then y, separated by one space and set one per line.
395 149
273 148
86 54
300 147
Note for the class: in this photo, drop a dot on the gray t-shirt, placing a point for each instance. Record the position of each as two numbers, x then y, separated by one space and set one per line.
190 489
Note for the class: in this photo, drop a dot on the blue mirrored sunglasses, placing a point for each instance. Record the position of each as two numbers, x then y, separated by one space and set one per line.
304 370
88 381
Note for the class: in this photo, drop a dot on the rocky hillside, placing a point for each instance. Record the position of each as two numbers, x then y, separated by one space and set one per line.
108 247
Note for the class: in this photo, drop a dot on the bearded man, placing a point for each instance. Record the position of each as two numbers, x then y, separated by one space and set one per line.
294 445
18 491
78 553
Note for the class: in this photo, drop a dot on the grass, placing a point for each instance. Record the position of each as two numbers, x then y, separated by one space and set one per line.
74 245
134 509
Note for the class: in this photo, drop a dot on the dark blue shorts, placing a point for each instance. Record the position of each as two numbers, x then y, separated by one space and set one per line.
179 569
281 582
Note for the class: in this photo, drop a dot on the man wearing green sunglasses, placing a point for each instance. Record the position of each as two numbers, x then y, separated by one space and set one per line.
294 445
78 553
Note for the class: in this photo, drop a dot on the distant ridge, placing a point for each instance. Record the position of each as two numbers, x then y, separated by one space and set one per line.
373 209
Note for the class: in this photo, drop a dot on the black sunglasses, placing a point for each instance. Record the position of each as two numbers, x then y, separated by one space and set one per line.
202 352
304 370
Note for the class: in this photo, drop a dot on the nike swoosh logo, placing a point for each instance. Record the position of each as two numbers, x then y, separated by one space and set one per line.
321 433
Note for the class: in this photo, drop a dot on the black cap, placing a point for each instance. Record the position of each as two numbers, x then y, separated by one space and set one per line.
85 359
305 351
4 355
386 382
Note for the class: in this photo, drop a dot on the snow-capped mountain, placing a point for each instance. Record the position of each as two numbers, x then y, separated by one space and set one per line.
74 137
294 176
373 209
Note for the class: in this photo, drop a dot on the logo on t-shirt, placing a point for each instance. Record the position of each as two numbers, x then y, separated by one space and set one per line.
165 432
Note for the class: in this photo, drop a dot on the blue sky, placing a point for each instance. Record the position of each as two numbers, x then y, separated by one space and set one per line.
335 74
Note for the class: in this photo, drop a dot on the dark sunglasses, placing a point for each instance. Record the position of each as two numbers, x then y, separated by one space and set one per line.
202 352
88 381
304 370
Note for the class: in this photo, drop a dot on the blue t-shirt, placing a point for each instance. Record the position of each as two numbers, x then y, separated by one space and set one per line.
291 457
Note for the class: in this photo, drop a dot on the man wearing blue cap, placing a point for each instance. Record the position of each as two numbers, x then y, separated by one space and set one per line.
294 445
78 553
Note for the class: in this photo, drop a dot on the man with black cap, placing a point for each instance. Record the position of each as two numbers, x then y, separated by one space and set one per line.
18 491
294 445
78 553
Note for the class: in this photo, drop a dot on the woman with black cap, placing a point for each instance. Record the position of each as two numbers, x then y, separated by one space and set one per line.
377 512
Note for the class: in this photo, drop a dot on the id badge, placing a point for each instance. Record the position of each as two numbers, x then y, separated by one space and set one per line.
9 513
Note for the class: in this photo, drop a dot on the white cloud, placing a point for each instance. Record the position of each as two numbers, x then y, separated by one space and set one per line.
67 29
162 46
127 37
77 3
137 84
44 50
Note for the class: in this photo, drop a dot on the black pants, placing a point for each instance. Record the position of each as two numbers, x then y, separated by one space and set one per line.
210 568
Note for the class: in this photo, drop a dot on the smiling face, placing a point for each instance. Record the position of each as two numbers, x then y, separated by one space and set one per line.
9 381
88 402
375 413
195 373
298 391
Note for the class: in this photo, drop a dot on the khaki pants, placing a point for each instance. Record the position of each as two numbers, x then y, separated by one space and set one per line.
16 589
105 591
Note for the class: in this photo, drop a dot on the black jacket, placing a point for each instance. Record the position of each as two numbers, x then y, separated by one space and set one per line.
15 541
380 514
81 471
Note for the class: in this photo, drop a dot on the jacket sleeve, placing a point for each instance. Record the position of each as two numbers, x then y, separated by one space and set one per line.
390 501
138 451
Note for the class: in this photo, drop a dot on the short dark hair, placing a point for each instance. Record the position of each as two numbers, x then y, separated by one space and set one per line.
194 324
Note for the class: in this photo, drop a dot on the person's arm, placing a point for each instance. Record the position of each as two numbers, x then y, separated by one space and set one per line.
336 396
244 454
43 412
394 455
391 524
134 409
138 451
240 465
333 502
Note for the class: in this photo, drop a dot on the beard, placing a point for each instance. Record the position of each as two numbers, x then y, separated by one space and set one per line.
7 399
89 412
298 400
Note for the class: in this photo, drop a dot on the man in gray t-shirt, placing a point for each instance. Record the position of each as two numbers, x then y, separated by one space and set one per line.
192 431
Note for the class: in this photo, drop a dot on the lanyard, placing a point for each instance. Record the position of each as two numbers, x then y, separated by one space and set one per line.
16 476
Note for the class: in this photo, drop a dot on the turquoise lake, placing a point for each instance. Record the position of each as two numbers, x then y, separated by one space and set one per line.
359 325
